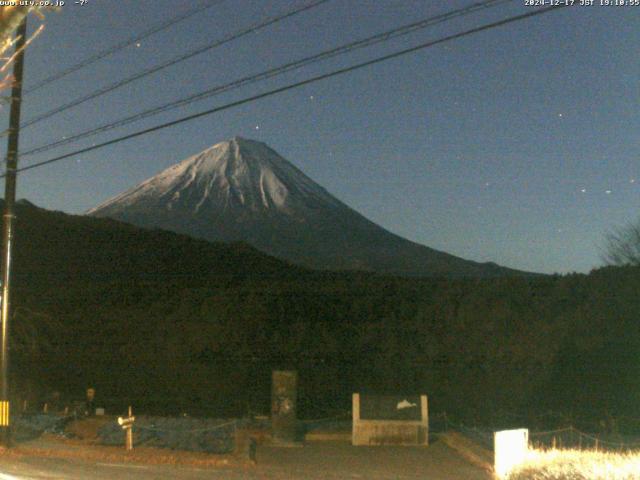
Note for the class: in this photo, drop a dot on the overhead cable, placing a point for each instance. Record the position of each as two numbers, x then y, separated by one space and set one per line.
247 80
120 46
292 86
169 63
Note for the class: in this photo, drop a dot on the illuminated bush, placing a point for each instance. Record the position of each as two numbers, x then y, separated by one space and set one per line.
577 465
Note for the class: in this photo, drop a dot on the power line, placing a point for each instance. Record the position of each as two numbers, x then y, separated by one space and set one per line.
120 46
366 42
174 61
295 85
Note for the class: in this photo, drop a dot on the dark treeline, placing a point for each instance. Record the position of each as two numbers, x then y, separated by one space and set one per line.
173 324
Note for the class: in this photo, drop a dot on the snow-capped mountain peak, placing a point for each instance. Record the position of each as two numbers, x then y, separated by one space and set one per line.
242 190
238 173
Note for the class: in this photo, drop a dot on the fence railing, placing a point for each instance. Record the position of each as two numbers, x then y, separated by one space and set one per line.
565 437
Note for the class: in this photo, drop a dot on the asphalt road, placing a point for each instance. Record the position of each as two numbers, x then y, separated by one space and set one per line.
314 461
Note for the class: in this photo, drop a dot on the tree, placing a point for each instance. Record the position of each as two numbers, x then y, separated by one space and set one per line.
623 246
10 18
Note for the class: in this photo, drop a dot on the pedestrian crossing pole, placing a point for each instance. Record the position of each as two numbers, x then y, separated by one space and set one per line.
8 217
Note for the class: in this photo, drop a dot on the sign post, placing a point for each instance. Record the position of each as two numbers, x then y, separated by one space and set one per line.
127 426
283 406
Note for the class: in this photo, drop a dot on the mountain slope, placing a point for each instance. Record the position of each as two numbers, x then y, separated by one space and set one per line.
242 190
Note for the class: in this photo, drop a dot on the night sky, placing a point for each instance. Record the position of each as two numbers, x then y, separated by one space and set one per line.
518 145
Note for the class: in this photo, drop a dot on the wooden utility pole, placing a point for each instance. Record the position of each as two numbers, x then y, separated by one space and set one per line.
9 201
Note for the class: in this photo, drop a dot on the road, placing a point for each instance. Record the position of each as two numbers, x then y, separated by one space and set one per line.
314 461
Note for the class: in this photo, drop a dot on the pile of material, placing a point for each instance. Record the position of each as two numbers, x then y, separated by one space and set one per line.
26 427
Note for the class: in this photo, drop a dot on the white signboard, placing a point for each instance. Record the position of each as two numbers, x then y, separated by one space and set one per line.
510 447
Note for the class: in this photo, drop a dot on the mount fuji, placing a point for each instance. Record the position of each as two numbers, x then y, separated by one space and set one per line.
242 190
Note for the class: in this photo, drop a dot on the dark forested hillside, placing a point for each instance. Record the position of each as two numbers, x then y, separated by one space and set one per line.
171 324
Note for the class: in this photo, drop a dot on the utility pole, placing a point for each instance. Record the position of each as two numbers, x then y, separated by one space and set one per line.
9 201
